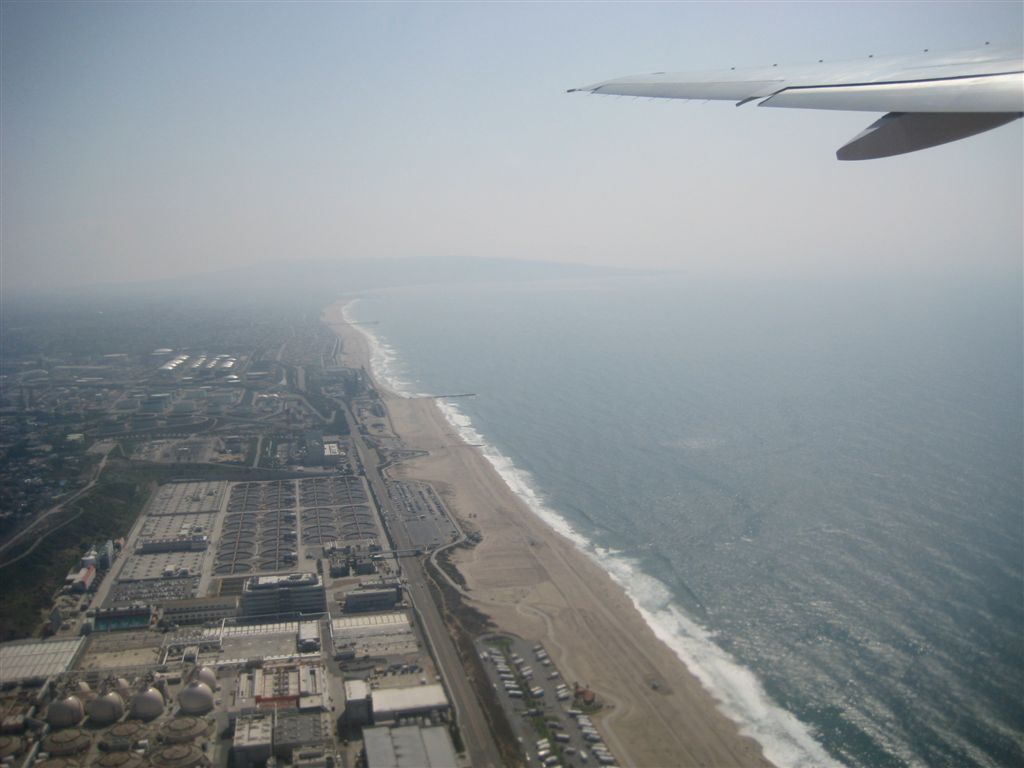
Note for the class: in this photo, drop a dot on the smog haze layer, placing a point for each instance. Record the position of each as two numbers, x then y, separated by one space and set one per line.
162 140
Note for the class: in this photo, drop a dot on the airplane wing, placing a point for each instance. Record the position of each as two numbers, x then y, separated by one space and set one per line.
929 98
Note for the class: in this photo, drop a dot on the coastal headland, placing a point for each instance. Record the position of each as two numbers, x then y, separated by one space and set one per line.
532 582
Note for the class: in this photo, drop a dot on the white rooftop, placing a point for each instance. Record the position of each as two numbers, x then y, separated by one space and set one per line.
356 689
392 702
369 621
22 661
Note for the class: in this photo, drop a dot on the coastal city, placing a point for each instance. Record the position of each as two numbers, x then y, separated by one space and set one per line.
378 392
209 558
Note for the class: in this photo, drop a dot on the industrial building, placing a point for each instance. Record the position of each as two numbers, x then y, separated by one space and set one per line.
409 746
199 610
296 738
253 742
373 634
301 686
81 579
297 730
309 636
332 454
123 617
390 704
291 593
358 708
338 565
365 705
366 600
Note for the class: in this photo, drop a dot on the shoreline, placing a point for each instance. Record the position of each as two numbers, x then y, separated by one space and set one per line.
533 581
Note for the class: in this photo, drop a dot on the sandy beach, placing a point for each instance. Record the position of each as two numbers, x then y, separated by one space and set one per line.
536 584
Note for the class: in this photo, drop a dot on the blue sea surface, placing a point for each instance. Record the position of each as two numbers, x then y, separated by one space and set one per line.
812 489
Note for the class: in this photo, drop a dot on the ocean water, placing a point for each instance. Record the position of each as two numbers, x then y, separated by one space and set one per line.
812 489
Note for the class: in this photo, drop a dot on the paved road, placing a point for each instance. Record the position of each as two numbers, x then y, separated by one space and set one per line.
476 734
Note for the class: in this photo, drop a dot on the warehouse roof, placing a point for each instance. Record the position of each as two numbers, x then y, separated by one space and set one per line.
408 747
37 659
394 702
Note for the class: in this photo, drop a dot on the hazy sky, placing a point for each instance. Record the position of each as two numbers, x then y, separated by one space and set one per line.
147 140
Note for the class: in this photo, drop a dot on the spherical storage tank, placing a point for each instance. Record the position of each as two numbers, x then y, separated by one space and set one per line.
147 704
208 676
65 713
196 698
123 689
106 709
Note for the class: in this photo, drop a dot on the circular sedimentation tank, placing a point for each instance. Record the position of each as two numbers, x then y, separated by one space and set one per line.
120 760
106 709
179 756
196 698
122 736
183 729
70 741
54 762
65 713
147 704
10 746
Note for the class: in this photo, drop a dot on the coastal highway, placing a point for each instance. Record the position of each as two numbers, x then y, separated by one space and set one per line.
476 734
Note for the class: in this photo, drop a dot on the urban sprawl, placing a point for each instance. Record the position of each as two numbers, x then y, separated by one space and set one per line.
206 562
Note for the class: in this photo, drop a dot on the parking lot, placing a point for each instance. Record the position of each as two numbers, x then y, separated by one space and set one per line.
422 514
551 726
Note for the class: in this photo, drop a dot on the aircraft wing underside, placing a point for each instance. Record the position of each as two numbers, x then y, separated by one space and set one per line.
929 99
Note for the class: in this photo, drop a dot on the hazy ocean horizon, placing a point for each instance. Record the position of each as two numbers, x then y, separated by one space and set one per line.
811 489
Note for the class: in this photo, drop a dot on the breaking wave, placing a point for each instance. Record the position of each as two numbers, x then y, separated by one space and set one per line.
785 740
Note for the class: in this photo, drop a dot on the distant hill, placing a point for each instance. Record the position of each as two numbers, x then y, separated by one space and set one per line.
324 281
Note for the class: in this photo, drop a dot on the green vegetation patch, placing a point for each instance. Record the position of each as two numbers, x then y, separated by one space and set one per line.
499 641
444 561
28 584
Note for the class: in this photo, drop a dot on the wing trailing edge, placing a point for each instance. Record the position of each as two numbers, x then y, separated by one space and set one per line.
929 99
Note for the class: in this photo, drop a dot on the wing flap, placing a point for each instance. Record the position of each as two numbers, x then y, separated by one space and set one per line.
896 133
